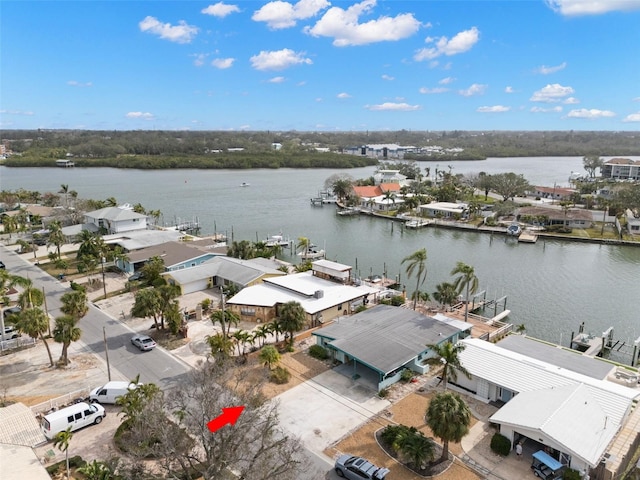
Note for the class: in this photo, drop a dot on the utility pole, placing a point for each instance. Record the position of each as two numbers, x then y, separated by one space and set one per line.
106 351
104 285
46 310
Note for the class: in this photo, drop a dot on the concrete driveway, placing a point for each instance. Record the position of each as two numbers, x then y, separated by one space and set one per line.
322 410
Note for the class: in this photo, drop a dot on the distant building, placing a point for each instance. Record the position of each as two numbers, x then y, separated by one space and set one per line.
621 169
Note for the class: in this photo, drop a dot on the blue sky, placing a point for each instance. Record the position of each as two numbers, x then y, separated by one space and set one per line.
320 65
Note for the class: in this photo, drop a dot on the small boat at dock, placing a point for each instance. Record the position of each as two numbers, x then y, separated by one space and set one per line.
278 241
311 253
244 184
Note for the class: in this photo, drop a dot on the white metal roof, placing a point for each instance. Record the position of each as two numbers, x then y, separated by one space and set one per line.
569 415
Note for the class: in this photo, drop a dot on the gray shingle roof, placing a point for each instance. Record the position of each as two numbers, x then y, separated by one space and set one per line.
386 337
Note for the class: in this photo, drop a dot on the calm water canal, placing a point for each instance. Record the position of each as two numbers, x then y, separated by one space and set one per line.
550 286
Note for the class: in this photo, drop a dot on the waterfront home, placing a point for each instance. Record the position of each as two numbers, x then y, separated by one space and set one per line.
621 169
65 163
321 292
222 270
375 197
390 176
552 193
175 255
552 399
547 216
443 210
116 219
379 343
633 222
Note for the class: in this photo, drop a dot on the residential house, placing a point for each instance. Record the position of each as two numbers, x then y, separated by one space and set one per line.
322 292
175 255
552 399
443 210
621 169
222 270
633 222
547 216
557 194
374 197
390 177
116 220
381 342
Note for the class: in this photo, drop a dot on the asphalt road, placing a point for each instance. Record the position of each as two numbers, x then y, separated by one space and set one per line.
156 366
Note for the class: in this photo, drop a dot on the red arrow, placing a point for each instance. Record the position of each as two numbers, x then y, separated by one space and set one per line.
229 415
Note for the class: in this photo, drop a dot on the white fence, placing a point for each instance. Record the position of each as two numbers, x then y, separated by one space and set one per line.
20 342
59 402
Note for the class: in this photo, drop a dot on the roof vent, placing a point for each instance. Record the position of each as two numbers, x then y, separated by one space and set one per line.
318 294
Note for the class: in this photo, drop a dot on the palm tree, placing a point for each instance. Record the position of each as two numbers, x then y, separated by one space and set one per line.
303 245
417 448
269 356
30 297
448 354
61 440
65 332
56 237
167 294
417 263
147 304
448 417
74 304
445 293
466 280
219 344
241 337
225 318
291 317
64 189
35 322
262 332
88 244
342 188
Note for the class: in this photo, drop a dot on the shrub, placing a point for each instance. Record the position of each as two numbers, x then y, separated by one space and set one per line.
571 474
500 444
280 375
319 352
406 375
391 433
397 300
383 393
361 308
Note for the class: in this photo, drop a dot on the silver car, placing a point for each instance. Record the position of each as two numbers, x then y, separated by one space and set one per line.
143 342
357 468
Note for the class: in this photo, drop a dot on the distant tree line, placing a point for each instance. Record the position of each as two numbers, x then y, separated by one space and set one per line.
209 149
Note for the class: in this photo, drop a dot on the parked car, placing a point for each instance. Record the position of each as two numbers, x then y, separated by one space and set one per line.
357 468
76 416
111 391
139 275
10 332
143 342
11 311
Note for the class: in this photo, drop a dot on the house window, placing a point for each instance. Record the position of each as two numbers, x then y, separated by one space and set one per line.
248 312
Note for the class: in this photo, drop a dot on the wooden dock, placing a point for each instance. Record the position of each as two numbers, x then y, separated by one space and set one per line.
528 237
588 344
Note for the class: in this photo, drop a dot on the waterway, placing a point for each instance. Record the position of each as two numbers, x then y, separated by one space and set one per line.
551 286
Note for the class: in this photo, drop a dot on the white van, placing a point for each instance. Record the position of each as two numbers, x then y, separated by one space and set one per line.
110 391
76 416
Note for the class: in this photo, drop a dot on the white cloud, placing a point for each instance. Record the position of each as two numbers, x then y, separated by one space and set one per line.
199 58
398 107
279 14
475 89
343 95
637 99
460 43
545 70
590 113
222 63
278 59
220 10
343 26
493 109
387 77
142 115
426 90
556 109
509 89
276 80
73 83
181 33
591 7
634 117
16 112
447 80
551 93
571 101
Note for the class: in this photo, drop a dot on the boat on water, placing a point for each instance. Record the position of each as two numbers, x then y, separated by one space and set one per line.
311 253
514 230
244 184
348 211
278 241
416 223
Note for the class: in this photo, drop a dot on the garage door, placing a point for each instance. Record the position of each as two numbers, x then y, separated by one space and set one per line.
196 286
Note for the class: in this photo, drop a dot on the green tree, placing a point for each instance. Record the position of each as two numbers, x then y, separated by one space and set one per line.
342 188
303 245
136 399
291 318
220 345
96 470
167 295
445 293
448 355
56 237
35 323
509 185
417 449
417 263
591 163
153 270
242 337
467 281
74 304
225 318
261 332
243 250
65 332
269 356
147 303
89 246
61 441
448 417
